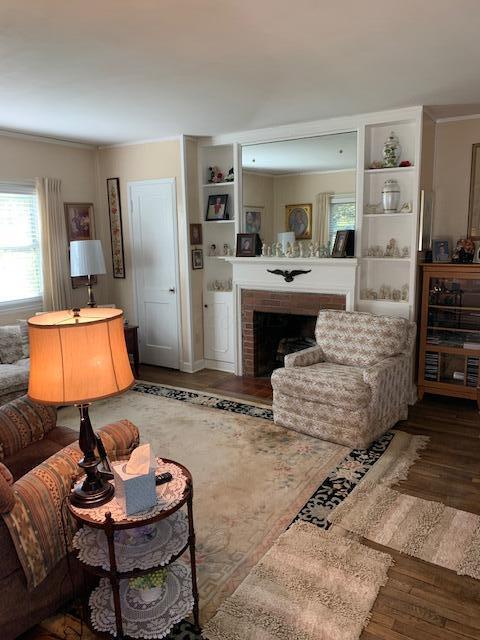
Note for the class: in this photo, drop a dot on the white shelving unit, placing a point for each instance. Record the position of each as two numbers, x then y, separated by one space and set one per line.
376 229
218 306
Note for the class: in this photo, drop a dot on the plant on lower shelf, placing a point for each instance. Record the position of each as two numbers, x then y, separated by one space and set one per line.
149 581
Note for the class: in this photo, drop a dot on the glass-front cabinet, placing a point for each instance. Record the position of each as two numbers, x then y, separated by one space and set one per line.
449 356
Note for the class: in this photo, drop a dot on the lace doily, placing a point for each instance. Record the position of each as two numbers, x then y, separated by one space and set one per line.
169 494
139 548
140 618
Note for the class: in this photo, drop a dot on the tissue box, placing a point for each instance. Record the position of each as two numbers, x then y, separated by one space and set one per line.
134 492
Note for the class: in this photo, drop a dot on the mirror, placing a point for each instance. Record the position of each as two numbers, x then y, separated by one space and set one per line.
306 186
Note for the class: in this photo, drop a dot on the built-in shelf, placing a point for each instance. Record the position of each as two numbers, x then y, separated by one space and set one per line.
387 259
379 301
217 257
388 215
219 221
390 170
218 184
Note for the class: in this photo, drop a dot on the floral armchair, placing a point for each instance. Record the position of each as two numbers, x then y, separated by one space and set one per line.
353 385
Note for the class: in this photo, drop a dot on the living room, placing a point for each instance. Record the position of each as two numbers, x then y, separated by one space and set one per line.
219 275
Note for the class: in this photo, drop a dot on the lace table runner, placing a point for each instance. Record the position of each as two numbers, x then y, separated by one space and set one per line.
141 618
141 548
169 495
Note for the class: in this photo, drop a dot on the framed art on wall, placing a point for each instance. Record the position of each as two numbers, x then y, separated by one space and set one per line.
217 207
298 218
79 224
196 233
197 258
473 230
253 219
116 231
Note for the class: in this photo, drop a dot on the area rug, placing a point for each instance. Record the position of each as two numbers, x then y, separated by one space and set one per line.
311 585
421 528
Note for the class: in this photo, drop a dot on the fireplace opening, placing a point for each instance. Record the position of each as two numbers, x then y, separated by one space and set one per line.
277 335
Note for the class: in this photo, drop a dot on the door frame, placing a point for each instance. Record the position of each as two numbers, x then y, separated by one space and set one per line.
158 181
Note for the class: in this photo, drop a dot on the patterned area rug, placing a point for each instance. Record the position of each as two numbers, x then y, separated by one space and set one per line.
261 478
311 584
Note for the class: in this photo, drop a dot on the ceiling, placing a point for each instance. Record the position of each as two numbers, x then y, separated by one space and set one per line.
113 71
322 153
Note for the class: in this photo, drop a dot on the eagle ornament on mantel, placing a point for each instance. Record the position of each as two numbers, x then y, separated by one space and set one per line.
288 275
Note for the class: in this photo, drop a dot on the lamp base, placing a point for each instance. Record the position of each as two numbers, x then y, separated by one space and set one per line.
94 491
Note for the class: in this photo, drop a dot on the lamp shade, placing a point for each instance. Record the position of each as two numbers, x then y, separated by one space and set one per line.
86 258
78 356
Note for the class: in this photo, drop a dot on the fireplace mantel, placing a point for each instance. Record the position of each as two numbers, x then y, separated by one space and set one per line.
327 276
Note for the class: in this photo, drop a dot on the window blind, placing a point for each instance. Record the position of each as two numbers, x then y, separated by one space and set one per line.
20 254
342 215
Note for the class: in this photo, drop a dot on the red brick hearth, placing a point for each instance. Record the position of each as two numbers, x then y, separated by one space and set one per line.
304 304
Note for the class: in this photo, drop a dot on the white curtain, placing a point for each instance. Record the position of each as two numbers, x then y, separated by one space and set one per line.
55 267
323 209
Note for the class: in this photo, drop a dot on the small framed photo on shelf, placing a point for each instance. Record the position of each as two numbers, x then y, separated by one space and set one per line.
248 245
344 246
217 207
441 250
197 258
196 234
253 219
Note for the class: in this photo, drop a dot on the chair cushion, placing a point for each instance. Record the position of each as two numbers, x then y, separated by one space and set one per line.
325 383
11 348
14 377
360 339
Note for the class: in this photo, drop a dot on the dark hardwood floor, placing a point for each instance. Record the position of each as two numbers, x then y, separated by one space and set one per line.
420 601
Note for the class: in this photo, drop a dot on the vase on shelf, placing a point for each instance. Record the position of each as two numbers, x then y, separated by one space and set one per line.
390 196
391 151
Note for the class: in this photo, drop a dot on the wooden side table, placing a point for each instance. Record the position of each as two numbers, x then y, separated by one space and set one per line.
114 608
131 340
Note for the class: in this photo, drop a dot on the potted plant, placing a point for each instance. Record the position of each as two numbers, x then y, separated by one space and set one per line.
150 585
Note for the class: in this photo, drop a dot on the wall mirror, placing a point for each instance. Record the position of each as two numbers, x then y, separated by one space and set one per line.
306 186
474 203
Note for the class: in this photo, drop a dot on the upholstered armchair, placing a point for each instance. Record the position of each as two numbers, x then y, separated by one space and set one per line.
353 385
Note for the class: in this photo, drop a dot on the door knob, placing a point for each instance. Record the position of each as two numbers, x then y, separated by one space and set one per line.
206 306
172 289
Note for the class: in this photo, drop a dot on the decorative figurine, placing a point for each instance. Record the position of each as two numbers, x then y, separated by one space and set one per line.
226 249
405 289
264 249
302 250
288 250
269 250
230 176
406 252
391 151
464 251
396 295
406 207
212 251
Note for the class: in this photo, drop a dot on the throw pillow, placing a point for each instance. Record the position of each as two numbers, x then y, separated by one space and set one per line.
10 344
24 333
7 497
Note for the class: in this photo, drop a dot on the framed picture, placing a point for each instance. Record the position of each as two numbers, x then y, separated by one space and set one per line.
196 234
79 220
116 230
473 230
217 207
248 245
79 224
441 250
197 258
253 219
298 218
426 221
344 244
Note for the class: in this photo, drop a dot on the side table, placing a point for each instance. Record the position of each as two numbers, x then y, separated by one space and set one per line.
117 548
131 340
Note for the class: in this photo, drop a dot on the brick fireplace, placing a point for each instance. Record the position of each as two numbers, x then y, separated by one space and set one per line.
264 312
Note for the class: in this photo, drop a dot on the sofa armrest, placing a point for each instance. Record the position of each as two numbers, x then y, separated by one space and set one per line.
389 382
23 422
304 358
119 439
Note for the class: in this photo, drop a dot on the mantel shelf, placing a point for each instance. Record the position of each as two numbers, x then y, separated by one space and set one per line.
387 259
338 262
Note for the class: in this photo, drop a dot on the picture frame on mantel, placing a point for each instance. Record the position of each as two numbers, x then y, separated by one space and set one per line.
344 246
116 229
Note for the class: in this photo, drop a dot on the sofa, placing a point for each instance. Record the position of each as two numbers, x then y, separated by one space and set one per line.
14 361
353 385
32 448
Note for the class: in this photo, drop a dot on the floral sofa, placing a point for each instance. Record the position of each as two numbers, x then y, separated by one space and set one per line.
14 361
353 385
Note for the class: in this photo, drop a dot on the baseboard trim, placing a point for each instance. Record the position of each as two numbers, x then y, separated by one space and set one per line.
228 367
188 367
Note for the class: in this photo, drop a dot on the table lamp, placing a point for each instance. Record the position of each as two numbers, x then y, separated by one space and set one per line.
77 357
86 259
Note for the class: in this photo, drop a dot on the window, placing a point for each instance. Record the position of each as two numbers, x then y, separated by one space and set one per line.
342 215
20 257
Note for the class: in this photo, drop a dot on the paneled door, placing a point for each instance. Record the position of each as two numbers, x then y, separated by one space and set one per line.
155 256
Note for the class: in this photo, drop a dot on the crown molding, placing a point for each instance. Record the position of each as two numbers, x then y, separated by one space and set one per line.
117 145
6 133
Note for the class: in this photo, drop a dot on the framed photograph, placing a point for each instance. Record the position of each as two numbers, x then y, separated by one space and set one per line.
344 244
197 258
473 230
253 219
298 218
217 207
116 230
196 234
441 250
248 245
79 220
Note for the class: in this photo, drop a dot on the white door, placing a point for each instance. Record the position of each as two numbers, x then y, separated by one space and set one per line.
218 326
155 251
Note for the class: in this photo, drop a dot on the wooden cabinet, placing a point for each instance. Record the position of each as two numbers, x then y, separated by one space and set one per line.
449 355
219 334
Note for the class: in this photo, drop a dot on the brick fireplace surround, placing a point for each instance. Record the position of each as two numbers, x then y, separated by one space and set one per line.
305 304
